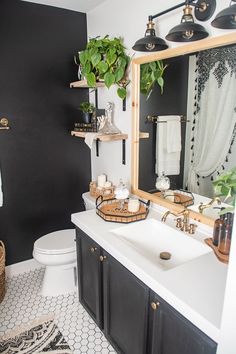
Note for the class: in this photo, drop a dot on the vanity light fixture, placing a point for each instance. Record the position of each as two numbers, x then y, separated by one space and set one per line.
204 9
188 30
226 19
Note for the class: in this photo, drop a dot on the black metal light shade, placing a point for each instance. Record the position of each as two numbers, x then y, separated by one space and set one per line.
187 31
150 43
226 19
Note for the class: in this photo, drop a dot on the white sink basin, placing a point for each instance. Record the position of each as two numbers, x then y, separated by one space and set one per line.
151 237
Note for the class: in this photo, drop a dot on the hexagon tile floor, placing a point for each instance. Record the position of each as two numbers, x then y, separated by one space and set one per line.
22 304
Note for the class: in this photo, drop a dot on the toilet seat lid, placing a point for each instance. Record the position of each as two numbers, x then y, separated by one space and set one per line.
58 242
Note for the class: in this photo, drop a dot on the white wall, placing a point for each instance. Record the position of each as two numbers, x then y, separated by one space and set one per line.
128 20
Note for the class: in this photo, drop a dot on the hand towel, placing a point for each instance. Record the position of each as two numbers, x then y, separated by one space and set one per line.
173 134
1 193
166 162
89 138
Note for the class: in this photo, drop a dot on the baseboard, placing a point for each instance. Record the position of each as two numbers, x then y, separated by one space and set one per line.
22 267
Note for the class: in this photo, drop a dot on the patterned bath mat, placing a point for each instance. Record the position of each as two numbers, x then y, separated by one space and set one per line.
42 336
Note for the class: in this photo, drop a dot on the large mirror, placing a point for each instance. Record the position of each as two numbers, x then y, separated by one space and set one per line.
198 111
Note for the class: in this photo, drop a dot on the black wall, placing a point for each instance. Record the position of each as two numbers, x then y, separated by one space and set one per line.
173 101
44 170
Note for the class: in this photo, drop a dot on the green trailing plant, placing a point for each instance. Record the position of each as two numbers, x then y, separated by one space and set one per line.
87 107
225 186
151 74
105 59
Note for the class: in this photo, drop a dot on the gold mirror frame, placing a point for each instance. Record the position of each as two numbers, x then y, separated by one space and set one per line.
193 47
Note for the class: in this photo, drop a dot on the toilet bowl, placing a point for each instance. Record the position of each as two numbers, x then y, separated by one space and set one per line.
57 252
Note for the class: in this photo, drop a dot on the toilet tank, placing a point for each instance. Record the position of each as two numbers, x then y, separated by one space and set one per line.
89 201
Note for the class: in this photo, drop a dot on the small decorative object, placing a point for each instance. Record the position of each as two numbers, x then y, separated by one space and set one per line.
86 127
163 184
121 193
101 180
109 210
105 59
133 205
106 192
109 127
88 110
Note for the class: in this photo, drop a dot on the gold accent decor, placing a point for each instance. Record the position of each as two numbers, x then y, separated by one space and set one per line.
102 258
202 206
4 124
155 305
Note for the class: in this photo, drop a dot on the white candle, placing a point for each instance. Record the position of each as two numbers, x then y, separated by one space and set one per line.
133 205
101 180
107 184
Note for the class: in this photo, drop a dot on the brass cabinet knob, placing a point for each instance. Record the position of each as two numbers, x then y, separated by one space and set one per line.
155 305
93 249
102 258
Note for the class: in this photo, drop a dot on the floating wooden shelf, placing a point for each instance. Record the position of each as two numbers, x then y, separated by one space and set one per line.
105 137
84 84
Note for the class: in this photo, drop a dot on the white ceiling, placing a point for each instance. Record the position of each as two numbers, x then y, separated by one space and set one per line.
76 5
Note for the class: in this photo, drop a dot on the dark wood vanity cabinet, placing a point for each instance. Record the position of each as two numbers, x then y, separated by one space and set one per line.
90 276
125 304
133 318
171 333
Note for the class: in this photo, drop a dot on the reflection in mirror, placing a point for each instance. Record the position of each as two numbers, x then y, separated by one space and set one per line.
192 129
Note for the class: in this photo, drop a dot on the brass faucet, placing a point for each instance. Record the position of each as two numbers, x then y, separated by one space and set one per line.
181 223
202 206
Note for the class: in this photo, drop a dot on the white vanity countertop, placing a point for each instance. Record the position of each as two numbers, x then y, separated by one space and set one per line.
195 289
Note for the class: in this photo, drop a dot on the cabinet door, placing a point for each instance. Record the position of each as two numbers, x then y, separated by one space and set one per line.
125 308
89 275
171 333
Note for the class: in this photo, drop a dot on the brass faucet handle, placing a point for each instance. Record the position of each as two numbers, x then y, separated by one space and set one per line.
192 229
179 223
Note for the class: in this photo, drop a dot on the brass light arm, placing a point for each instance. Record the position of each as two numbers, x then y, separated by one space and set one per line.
202 206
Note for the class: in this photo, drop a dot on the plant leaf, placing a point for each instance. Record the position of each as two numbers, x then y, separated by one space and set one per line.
87 68
102 67
109 79
160 81
111 58
83 57
121 91
95 59
91 79
119 74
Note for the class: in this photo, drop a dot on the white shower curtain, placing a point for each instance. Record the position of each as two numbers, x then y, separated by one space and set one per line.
212 110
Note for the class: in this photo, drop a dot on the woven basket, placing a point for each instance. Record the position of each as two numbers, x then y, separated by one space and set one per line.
2 271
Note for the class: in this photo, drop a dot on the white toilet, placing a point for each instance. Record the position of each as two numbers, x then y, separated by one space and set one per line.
57 251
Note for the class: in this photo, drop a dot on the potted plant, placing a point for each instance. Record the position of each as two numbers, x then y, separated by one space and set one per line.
105 59
225 186
88 110
151 74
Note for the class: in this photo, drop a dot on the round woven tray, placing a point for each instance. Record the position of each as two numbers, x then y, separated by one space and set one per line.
2 271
